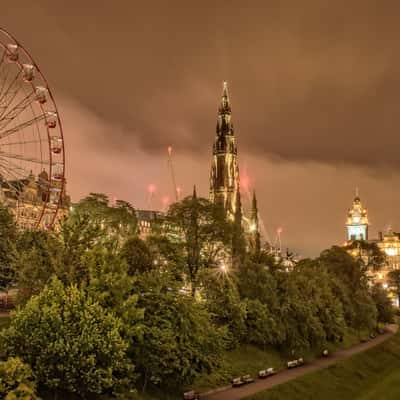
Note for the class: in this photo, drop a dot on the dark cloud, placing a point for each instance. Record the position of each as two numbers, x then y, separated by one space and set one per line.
314 84
310 80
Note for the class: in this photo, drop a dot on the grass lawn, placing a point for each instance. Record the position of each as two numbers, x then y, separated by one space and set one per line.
374 374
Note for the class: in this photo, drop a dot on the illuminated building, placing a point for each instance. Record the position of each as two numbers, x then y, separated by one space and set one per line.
147 220
361 247
389 243
224 177
357 221
26 197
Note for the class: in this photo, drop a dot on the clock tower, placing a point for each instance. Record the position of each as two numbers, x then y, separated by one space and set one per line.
357 221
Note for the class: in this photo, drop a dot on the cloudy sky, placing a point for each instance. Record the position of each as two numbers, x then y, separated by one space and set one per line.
314 87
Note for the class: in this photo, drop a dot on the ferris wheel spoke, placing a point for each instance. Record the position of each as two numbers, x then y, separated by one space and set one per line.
21 157
3 78
23 142
21 126
6 118
14 177
3 57
21 171
9 94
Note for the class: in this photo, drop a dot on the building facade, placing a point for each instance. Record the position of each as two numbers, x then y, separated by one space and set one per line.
360 246
26 198
224 177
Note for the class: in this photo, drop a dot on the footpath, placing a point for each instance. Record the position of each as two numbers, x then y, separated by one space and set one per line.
229 393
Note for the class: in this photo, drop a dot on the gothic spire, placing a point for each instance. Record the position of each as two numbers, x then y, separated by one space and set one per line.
254 228
225 106
254 211
194 192
224 177
224 124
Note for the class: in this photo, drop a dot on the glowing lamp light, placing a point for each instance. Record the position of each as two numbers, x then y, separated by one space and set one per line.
279 231
224 268
385 285
391 251
169 150
252 227
151 188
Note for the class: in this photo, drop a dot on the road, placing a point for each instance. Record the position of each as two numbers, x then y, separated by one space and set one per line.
283 376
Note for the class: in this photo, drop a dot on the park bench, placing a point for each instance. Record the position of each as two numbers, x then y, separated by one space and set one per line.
295 363
237 382
247 379
192 395
265 373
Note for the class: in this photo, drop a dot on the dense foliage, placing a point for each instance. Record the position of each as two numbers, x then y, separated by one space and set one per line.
97 299
16 380
69 340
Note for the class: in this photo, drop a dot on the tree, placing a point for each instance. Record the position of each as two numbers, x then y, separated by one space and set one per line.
70 341
351 287
111 285
238 241
383 303
367 253
38 258
76 237
256 282
200 227
222 300
16 380
365 312
394 282
137 255
118 221
342 265
262 326
179 342
8 237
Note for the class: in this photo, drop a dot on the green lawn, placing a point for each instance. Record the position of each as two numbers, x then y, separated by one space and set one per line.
374 374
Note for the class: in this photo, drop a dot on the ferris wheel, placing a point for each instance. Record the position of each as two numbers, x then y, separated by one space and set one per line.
31 137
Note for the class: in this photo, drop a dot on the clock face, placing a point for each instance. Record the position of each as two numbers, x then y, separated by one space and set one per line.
358 232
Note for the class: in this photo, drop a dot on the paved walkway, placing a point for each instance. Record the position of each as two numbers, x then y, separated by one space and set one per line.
283 376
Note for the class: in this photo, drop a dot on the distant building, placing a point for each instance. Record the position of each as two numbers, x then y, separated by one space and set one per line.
26 198
357 232
389 243
147 220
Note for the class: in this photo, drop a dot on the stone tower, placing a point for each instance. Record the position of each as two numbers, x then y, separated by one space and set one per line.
357 221
224 177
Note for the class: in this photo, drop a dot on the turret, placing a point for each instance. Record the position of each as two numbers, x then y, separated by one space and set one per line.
255 240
